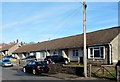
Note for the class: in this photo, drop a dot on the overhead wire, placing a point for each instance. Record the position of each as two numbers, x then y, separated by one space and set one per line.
65 21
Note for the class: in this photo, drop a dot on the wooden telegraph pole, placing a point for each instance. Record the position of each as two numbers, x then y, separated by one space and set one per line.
84 26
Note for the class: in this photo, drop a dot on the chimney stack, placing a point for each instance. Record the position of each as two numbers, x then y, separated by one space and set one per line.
17 41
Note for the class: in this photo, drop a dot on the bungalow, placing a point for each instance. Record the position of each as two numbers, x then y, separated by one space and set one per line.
1 45
9 49
25 50
102 47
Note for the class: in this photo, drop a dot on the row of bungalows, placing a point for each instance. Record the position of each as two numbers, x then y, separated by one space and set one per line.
103 47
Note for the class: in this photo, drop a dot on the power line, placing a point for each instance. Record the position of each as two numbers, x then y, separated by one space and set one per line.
66 19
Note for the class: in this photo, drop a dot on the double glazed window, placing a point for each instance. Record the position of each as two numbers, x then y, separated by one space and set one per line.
96 52
75 52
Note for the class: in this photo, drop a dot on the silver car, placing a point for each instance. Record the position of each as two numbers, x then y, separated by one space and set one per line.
6 63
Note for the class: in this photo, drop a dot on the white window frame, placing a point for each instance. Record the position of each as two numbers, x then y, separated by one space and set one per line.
89 52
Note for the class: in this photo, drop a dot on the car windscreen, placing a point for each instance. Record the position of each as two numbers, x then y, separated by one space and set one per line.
6 60
55 56
47 57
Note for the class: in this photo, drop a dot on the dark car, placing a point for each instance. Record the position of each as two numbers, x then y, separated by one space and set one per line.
36 67
57 59
48 58
29 57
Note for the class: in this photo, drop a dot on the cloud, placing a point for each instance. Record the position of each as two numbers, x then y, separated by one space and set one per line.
49 12
10 25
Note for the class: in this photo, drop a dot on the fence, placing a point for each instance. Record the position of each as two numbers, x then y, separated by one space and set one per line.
118 73
103 71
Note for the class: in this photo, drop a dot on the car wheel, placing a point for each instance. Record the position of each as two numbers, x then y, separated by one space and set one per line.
47 70
24 70
34 72
66 61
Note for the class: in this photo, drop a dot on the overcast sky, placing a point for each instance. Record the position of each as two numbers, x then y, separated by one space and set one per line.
41 21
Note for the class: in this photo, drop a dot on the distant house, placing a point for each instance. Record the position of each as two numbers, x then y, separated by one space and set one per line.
9 48
25 50
1 45
102 47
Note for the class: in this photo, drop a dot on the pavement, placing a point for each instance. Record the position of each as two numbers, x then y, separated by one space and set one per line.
70 77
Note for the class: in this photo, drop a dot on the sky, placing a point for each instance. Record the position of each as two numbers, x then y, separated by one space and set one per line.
41 21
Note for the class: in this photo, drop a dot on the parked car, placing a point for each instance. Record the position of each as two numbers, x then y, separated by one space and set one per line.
48 58
6 63
57 59
0 62
8 57
36 67
29 57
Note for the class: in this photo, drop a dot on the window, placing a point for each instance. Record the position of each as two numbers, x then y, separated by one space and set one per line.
55 52
33 63
42 54
75 52
30 63
102 52
91 52
96 52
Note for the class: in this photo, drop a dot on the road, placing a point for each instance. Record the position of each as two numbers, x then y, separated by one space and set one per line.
8 73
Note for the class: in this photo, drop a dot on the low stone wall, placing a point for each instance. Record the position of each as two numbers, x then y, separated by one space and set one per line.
97 62
59 68
55 68
74 70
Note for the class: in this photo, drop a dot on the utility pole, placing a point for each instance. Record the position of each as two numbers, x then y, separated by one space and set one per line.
84 26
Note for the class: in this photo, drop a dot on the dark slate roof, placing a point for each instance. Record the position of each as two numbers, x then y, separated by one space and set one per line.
99 37
25 48
7 47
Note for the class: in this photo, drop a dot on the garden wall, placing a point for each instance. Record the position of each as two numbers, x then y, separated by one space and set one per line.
59 68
